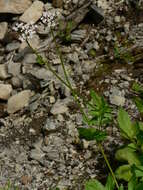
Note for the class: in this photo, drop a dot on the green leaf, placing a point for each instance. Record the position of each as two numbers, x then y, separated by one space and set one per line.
124 172
40 60
129 155
121 187
91 134
127 128
137 87
132 183
138 170
98 110
110 183
139 187
139 103
140 125
94 184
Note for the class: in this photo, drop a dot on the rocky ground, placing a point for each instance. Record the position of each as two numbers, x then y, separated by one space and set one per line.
39 143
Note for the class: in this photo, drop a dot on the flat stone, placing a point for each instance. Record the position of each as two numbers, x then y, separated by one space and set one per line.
3 72
42 73
3 29
14 68
5 91
33 13
37 154
14 6
30 58
19 101
59 108
12 46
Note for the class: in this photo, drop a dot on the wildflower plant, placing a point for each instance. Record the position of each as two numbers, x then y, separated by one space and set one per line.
26 30
50 18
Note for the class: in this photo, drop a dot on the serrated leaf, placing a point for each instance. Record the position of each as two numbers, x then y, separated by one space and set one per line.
94 184
129 155
125 124
91 134
123 172
110 183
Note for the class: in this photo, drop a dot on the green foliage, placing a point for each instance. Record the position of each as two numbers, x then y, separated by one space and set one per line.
65 34
123 55
132 153
138 99
137 88
91 134
98 110
94 184
127 128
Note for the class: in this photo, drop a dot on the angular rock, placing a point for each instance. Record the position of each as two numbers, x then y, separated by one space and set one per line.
37 154
59 108
14 68
50 125
3 72
18 101
12 46
3 29
33 13
14 6
5 91
95 14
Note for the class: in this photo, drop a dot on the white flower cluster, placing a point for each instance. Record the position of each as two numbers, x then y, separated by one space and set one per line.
50 18
26 30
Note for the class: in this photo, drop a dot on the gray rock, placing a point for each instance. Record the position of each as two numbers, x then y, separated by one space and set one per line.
3 29
78 35
29 58
50 125
16 81
3 72
5 91
96 14
14 68
41 73
37 154
59 108
12 46
33 13
14 6
18 101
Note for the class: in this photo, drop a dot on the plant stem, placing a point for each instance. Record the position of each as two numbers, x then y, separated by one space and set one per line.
108 164
76 97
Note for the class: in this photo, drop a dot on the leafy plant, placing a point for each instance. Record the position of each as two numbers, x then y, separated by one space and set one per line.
65 34
132 152
123 55
99 112
139 98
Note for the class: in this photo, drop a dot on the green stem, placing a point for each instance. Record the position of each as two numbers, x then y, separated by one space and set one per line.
75 95
108 164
